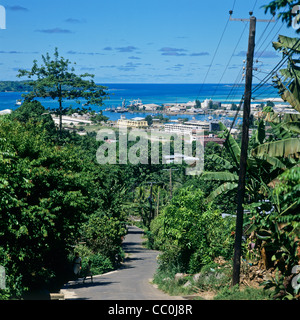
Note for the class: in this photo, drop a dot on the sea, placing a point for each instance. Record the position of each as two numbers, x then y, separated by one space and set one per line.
154 93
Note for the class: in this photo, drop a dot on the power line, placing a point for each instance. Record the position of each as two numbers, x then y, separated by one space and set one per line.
270 74
236 84
233 5
257 50
262 34
215 53
276 68
262 52
239 40
255 3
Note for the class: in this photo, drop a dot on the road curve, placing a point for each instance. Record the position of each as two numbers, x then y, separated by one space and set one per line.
130 282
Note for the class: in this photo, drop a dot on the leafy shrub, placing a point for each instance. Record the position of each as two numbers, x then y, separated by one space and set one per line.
190 233
4 294
100 264
44 199
103 235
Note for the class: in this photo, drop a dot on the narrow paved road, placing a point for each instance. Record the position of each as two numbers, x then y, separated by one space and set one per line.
130 282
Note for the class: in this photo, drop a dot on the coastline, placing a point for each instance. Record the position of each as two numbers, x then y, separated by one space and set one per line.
180 98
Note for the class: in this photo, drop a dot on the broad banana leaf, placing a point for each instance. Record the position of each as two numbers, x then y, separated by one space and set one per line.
292 126
291 97
272 117
275 162
291 117
219 160
222 176
291 91
227 186
280 132
231 145
281 148
287 43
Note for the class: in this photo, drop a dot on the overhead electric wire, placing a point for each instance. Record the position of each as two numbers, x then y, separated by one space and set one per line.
233 5
235 86
215 53
262 34
242 99
239 40
258 49
270 74
276 68
276 33
255 3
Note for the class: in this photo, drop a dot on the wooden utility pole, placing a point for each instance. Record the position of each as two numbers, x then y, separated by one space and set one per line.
170 183
243 157
150 198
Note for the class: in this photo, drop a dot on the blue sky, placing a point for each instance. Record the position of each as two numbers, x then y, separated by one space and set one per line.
138 41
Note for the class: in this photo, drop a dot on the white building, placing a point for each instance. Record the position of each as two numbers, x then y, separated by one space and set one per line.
190 127
148 107
206 103
179 158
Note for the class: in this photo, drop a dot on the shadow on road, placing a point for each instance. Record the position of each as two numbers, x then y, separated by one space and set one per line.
131 231
81 284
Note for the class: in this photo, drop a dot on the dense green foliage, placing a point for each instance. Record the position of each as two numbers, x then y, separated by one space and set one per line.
284 11
43 198
190 233
51 197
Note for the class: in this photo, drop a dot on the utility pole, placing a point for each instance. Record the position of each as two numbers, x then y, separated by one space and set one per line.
244 146
243 157
171 188
151 215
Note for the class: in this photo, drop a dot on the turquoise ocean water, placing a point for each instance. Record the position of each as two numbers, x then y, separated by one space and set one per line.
153 93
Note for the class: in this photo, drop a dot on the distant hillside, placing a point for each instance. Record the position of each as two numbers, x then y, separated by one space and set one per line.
15 86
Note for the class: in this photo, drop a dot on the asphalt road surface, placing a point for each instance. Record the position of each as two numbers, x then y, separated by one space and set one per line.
130 282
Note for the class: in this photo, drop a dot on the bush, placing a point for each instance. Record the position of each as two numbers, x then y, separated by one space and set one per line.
190 233
99 263
44 199
103 235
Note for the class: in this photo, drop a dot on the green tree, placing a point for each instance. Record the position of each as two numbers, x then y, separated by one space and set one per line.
96 118
190 233
44 197
283 9
149 120
198 103
35 112
56 79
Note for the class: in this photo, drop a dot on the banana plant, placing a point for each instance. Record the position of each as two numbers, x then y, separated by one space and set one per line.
265 162
289 88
